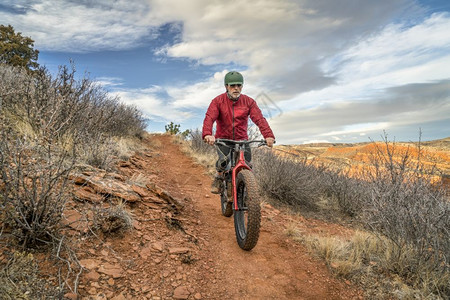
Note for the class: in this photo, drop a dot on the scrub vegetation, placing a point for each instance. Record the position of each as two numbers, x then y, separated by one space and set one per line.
400 213
50 126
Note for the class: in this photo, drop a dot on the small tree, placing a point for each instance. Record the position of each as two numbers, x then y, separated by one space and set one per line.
174 129
16 49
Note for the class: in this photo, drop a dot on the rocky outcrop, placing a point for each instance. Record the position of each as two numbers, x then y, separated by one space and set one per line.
97 187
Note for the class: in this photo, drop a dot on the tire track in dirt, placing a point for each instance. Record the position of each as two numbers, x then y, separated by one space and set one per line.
277 268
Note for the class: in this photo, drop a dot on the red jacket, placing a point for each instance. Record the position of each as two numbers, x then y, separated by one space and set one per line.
231 118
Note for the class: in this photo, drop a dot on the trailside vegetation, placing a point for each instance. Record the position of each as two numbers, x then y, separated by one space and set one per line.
403 215
50 126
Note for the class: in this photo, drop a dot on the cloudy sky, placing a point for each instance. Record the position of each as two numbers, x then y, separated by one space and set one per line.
321 70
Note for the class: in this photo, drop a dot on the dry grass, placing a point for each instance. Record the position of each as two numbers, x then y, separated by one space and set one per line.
156 144
125 147
293 232
370 261
202 153
115 219
139 179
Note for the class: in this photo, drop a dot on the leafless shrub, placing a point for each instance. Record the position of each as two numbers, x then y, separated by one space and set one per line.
198 145
407 208
33 178
294 183
47 123
66 109
350 193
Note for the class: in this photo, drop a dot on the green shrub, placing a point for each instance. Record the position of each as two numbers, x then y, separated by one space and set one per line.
174 129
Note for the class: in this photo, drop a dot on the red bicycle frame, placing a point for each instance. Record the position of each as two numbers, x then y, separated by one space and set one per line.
241 164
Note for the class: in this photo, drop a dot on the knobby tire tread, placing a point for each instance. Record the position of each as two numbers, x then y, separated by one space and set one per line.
227 207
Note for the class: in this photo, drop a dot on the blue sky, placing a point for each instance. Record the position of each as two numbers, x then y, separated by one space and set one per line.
321 70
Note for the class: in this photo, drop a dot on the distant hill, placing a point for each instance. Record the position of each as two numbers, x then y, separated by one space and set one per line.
434 153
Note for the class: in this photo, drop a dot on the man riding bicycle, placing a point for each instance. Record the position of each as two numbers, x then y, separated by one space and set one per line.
231 111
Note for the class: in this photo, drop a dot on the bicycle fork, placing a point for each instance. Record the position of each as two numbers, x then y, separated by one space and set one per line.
241 164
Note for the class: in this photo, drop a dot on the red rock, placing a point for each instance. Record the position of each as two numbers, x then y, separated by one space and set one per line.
158 246
78 180
71 296
86 195
109 294
95 284
157 260
127 196
111 270
119 297
181 292
198 296
145 253
92 275
124 164
92 291
136 225
90 263
141 191
107 186
115 176
179 250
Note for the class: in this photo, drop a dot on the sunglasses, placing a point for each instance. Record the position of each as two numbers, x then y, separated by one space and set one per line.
235 85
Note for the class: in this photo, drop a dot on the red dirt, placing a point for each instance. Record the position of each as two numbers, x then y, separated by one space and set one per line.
202 260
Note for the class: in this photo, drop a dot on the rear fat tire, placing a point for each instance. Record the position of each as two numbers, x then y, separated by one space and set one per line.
247 223
227 208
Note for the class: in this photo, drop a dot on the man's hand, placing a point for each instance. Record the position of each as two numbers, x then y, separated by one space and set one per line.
209 139
270 141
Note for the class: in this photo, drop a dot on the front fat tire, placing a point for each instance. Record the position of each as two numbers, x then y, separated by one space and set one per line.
247 223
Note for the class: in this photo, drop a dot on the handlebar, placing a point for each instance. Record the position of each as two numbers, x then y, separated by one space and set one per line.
224 141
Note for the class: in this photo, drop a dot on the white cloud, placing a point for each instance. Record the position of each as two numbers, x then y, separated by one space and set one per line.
332 67
407 107
282 43
111 82
80 26
361 102
398 47
152 105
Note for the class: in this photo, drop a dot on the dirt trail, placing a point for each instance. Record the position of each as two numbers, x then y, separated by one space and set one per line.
196 256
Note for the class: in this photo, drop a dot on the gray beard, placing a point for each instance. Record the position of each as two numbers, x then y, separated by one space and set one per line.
232 98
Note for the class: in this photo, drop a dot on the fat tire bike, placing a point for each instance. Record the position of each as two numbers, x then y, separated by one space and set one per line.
239 194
